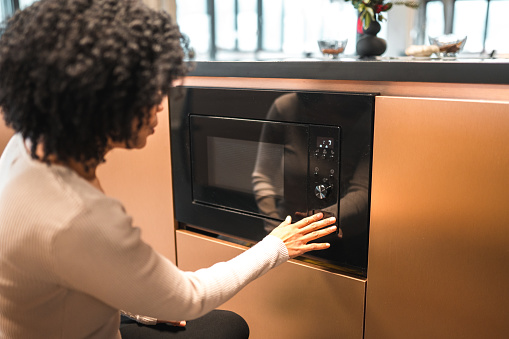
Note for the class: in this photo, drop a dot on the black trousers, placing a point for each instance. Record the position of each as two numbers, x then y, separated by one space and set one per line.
217 324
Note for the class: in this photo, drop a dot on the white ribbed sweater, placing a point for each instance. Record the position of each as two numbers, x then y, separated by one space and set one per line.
70 259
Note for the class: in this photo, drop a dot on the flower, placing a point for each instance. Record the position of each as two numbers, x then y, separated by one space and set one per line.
371 10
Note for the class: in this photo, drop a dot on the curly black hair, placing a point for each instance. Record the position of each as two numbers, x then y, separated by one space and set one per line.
75 73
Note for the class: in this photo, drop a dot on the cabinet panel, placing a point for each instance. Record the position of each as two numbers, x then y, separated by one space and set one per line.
438 258
5 134
141 180
292 301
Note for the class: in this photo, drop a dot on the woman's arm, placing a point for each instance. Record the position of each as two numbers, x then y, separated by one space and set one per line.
102 255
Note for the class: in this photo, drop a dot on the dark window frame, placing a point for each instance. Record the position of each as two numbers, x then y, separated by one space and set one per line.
12 6
212 12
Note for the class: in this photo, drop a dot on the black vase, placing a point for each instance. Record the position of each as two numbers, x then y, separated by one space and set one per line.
368 44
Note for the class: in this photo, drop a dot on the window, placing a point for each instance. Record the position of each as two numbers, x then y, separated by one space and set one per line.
482 21
497 29
264 29
8 7
434 19
228 29
25 3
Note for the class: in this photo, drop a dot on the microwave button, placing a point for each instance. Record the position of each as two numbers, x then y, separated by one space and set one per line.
332 155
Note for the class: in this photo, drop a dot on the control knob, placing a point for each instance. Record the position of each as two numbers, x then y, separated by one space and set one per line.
322 191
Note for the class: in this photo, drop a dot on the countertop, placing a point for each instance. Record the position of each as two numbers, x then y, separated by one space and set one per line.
404 69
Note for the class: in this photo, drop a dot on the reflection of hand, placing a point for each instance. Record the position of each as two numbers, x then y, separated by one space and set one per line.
296 236
301 214
340 233
174 323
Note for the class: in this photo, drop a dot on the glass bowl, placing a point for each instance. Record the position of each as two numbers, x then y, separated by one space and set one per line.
332 48
449 45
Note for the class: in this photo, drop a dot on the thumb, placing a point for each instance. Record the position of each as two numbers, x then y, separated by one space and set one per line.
288 220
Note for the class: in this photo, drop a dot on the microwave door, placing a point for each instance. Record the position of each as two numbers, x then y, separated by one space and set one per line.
250 166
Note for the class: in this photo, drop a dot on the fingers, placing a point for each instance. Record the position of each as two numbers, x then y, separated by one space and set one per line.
316 230
313 223
288 220
305 221
315 247
297 236
313 219
310 227
309 220
319 233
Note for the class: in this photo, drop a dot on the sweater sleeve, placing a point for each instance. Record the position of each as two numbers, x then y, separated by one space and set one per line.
100 254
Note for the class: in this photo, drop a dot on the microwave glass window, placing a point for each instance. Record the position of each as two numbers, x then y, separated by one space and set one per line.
255 167
232 163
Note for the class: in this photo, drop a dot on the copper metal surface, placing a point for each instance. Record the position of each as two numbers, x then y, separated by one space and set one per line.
292 301
388 88
141 180
438 255
5 134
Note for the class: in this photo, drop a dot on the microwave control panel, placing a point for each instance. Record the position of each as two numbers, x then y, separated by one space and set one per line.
323 171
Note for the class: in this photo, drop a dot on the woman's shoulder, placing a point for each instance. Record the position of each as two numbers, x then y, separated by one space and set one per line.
51 194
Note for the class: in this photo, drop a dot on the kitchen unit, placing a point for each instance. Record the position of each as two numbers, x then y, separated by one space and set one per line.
438 216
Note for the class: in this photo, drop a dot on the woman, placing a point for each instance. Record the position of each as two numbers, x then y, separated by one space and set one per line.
77 79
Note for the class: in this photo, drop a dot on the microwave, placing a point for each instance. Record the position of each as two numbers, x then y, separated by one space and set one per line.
244 159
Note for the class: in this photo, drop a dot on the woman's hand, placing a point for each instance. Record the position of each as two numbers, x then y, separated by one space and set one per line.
296 236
